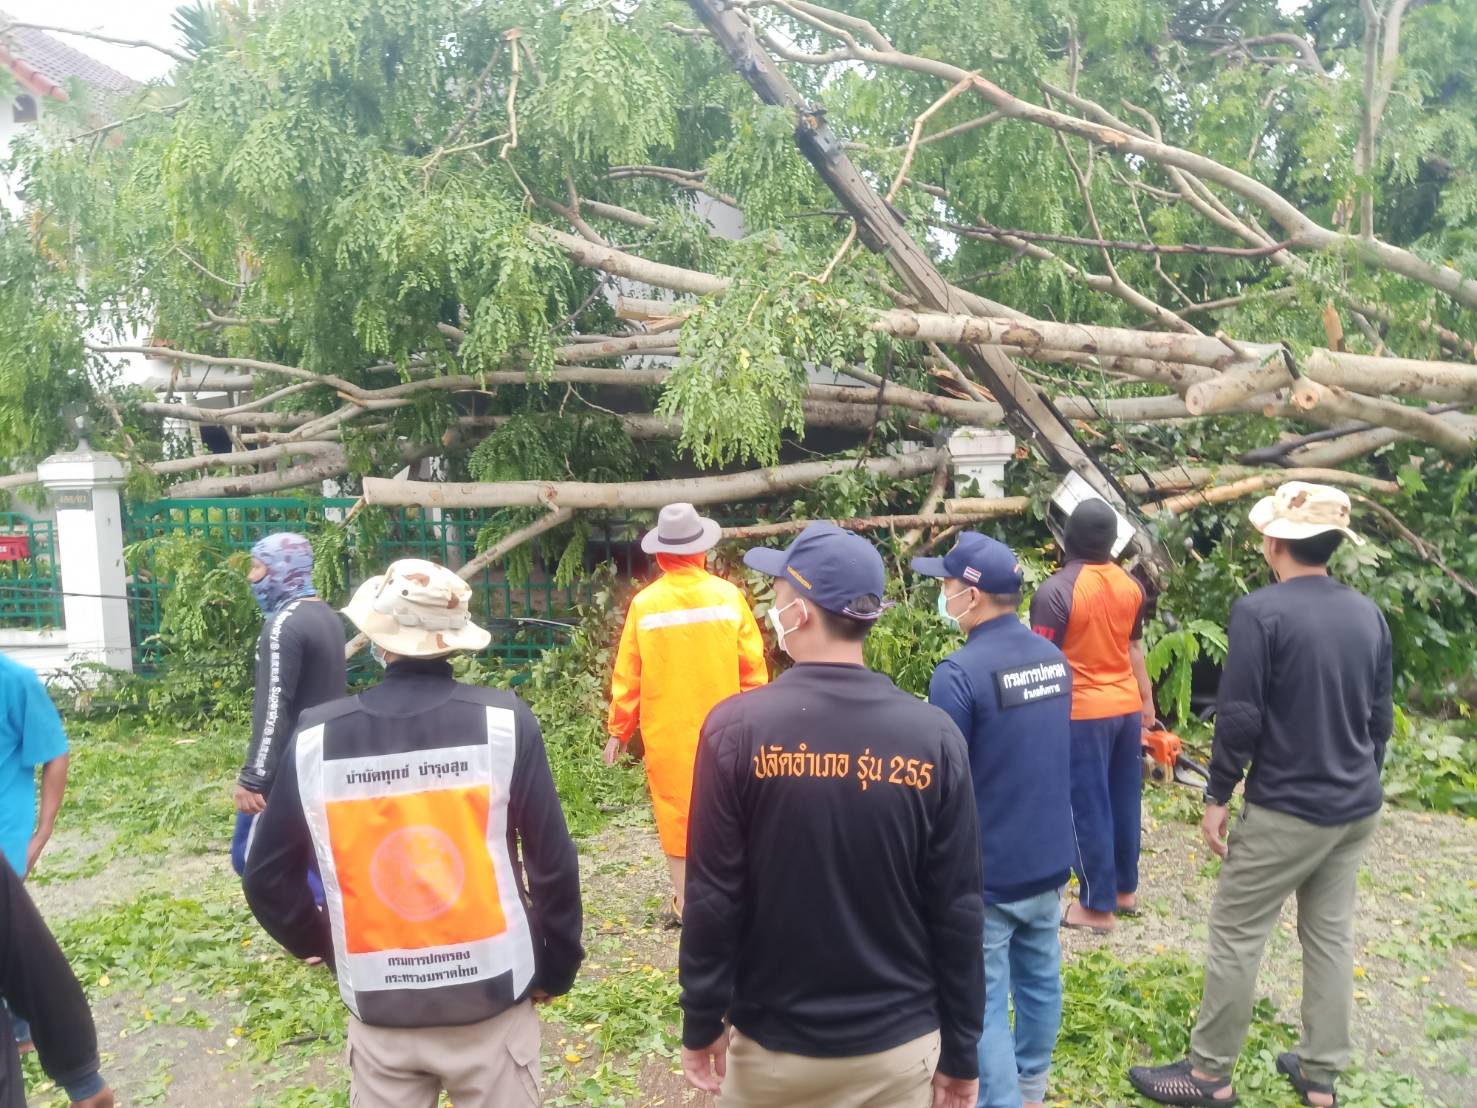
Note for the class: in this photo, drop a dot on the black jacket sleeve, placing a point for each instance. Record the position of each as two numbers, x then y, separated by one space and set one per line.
956 915
716 865
279 662
550 861
276 877
1382 707
1240 703
39 986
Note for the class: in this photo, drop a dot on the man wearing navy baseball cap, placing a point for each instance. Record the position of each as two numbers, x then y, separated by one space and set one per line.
1010 693
834 921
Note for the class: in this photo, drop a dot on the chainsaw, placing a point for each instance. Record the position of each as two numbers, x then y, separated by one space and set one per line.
1165 761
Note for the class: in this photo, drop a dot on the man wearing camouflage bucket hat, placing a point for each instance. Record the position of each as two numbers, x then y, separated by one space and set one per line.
1306 700
451 883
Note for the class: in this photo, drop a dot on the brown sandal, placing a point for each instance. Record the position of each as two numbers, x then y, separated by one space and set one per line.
1092 927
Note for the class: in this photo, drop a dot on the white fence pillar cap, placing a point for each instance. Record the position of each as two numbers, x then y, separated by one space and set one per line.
87 469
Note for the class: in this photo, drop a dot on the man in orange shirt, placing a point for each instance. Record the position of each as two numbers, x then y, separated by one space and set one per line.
1094 611
689 641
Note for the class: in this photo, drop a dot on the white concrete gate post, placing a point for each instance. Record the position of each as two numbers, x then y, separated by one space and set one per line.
83 487
980 454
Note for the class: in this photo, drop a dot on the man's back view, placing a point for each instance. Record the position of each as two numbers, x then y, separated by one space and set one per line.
834 913
1306 699
451 884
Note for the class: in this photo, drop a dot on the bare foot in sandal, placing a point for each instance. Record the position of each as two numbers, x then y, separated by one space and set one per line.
1078 918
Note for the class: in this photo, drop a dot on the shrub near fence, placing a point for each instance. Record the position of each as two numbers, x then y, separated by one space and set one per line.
524 616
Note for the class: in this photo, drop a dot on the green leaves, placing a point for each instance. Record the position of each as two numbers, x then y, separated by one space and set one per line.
612 98
745 356
1171 661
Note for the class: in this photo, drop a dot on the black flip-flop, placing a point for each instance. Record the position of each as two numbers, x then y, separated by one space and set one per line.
1175 1084
1290 1066
1070 926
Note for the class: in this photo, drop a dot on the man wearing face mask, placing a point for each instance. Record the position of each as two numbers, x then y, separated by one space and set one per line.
1010 693
831 952
689 641
299 665
1094 611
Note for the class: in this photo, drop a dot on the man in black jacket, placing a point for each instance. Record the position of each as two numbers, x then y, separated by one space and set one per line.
833 917
451 884
1306 699
299 665
36 980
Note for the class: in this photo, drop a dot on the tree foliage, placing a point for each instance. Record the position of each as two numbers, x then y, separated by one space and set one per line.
373 207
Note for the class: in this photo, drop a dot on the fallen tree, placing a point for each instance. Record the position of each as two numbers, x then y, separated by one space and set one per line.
874 232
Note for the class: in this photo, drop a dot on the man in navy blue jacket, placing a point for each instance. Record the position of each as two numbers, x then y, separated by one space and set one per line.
1010 693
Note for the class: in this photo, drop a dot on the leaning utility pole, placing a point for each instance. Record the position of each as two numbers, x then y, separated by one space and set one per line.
1029 413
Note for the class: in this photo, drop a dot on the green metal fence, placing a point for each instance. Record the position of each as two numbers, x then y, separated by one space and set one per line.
524 617
30 584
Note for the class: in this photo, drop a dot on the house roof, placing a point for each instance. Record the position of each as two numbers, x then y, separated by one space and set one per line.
44 65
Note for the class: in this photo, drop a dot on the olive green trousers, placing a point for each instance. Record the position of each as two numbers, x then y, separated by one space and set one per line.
1274 856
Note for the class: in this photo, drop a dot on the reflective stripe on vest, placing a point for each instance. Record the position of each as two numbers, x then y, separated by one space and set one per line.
412 847
717 613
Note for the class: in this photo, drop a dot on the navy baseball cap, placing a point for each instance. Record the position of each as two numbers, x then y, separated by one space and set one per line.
987 564
827 565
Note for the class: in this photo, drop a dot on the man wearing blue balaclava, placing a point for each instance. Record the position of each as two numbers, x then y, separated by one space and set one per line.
299 665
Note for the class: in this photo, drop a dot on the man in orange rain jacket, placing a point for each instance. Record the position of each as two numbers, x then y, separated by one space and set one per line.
689 641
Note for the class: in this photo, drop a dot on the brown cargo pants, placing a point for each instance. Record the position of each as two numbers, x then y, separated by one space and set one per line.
492 1064
898 1078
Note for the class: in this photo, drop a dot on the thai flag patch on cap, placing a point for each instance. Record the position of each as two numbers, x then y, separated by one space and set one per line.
970 574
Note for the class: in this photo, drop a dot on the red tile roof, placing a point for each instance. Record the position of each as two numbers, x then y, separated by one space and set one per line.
44 65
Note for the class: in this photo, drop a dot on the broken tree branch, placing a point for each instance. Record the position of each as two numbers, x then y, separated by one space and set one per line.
1004 506
638 494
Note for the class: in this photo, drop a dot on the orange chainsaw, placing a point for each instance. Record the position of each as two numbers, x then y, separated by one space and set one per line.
1165 760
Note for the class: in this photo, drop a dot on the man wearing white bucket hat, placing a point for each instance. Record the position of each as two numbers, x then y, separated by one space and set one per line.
451 883
1306 700
689 641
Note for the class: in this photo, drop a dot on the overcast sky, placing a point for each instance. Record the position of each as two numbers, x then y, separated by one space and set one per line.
132 19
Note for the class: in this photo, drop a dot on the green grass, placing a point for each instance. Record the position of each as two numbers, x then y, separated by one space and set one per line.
143 792
201 961
194 957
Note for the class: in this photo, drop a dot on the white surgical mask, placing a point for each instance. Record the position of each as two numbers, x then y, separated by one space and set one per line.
773 615
377 653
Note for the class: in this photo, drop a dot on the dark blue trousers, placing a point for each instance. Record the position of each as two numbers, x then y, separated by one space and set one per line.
241 839
1107 788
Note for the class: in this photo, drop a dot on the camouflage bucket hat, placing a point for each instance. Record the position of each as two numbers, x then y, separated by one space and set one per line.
417 609
1299 510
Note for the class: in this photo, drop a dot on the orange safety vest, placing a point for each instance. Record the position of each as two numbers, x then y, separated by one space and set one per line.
689 641
421 889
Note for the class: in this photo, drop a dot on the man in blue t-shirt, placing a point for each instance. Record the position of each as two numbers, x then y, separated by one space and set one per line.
31 735
1009 691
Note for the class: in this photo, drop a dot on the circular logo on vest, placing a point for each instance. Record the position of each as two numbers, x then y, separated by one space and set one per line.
417 872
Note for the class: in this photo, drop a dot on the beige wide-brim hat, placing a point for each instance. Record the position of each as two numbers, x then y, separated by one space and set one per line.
680 530
1299 510
417 609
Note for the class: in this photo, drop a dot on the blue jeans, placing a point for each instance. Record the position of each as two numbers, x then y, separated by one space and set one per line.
1107 790
241 839
1023 965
